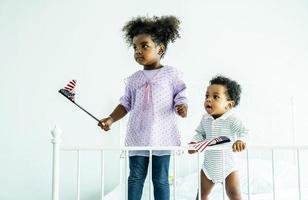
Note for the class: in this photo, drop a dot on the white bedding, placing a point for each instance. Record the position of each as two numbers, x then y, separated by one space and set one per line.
187 188
187 193
260 184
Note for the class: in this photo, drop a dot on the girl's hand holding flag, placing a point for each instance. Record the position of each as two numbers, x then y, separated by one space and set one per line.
105 123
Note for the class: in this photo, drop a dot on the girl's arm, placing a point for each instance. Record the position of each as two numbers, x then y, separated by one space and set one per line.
116 114
120 111
180 100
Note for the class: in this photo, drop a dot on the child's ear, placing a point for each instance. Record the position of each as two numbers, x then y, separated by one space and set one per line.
161 49
231 104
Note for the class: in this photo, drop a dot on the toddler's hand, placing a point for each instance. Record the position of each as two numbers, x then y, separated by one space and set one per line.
192 151
181 110
105 123
238 146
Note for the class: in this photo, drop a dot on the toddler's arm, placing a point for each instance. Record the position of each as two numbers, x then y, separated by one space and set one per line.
241 132
199 136
238 145
192 151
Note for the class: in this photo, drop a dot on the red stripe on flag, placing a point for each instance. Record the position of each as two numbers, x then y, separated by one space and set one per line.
204 145
68 89
69 86
72 83
200 144
197 145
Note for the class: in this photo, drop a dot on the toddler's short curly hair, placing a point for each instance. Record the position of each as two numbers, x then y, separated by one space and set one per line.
233 89
164 29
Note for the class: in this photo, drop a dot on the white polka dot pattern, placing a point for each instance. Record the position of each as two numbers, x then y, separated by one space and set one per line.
151 103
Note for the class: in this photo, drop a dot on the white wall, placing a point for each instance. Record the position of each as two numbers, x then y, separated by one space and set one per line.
43 44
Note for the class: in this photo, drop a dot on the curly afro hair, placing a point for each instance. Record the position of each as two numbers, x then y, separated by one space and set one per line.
164 29
232 87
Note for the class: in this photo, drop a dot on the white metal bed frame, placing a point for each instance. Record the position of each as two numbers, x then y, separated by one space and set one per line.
56 141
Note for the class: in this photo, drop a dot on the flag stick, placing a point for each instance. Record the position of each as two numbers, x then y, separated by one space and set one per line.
61 92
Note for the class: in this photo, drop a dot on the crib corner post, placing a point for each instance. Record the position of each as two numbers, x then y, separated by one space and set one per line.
56 141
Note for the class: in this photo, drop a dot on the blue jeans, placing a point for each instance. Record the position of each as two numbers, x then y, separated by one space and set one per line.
138 166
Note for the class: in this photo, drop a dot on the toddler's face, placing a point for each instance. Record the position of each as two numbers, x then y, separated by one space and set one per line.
146 51
216 100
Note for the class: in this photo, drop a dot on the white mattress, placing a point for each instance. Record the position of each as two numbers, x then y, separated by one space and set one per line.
260 185
187 188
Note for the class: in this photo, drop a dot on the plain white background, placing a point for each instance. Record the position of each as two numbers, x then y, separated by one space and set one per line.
43 44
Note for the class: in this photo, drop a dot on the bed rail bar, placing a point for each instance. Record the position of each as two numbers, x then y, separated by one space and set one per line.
57 148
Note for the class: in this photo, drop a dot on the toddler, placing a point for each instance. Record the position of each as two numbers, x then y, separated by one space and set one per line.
221 97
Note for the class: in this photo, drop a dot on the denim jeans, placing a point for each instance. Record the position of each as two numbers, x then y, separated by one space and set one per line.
138 166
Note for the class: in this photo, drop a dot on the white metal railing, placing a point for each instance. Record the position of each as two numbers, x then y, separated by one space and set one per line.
56 140
56 135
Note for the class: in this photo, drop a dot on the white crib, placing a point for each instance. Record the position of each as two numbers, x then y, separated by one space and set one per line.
177 186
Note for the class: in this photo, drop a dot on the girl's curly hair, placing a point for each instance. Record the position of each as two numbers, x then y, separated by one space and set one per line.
164 29
233 88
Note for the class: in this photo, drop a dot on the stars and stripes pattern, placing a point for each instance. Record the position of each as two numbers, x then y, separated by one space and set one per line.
69 90
200 146
71 86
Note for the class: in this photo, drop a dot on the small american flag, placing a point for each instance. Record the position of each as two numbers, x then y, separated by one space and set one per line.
69 90
200 146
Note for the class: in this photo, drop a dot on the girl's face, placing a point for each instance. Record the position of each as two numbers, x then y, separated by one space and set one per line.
216 101
147 52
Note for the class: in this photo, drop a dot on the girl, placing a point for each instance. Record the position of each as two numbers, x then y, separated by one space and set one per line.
221 97
152 96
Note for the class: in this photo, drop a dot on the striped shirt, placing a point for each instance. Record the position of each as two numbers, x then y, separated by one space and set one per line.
218 164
